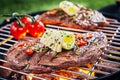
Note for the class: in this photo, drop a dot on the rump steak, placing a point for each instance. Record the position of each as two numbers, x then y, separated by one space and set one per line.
43 61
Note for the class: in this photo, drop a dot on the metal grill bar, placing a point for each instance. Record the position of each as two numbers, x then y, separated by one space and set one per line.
110 61
3 48
110 35
107 31
6 27
116 43
64 28
3 60
117 36
114 47
81 73
8 44
6 35
113 52
97 71
108 67
112 57
62 77
115 26
2 78
109 28
116 39
5 31
3 54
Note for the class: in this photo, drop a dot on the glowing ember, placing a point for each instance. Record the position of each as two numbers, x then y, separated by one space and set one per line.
89 65
30 77
86 72
58 78
62 79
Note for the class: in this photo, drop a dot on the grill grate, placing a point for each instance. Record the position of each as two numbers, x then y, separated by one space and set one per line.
112 52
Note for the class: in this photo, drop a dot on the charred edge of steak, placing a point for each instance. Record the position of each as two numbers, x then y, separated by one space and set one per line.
81 21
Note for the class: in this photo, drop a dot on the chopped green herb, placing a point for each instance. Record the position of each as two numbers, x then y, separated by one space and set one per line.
67 36
35 50
89 16
44 49
77 53
48 34
53 65
27 66
95 42
56 56
74 17
58 42
51 44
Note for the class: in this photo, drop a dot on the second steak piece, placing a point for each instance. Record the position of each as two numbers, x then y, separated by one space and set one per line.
81 21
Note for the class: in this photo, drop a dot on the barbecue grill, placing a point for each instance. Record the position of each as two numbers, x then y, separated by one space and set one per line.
112 55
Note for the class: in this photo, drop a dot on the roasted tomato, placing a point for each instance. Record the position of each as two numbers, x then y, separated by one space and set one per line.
90 35
36 28
80 36
18 31
81 43
29 51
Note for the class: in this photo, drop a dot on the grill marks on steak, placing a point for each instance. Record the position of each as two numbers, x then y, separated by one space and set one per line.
40 61
18 59
81 21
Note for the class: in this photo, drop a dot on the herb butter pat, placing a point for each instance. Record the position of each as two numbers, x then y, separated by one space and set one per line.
57 39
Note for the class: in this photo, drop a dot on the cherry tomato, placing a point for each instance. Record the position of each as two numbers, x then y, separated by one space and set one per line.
23 44
36 29
81 43
18 31
29 51
90 35
26 20
80 36
86 40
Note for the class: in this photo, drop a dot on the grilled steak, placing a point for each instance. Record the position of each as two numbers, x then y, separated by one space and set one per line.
46 60
82 21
